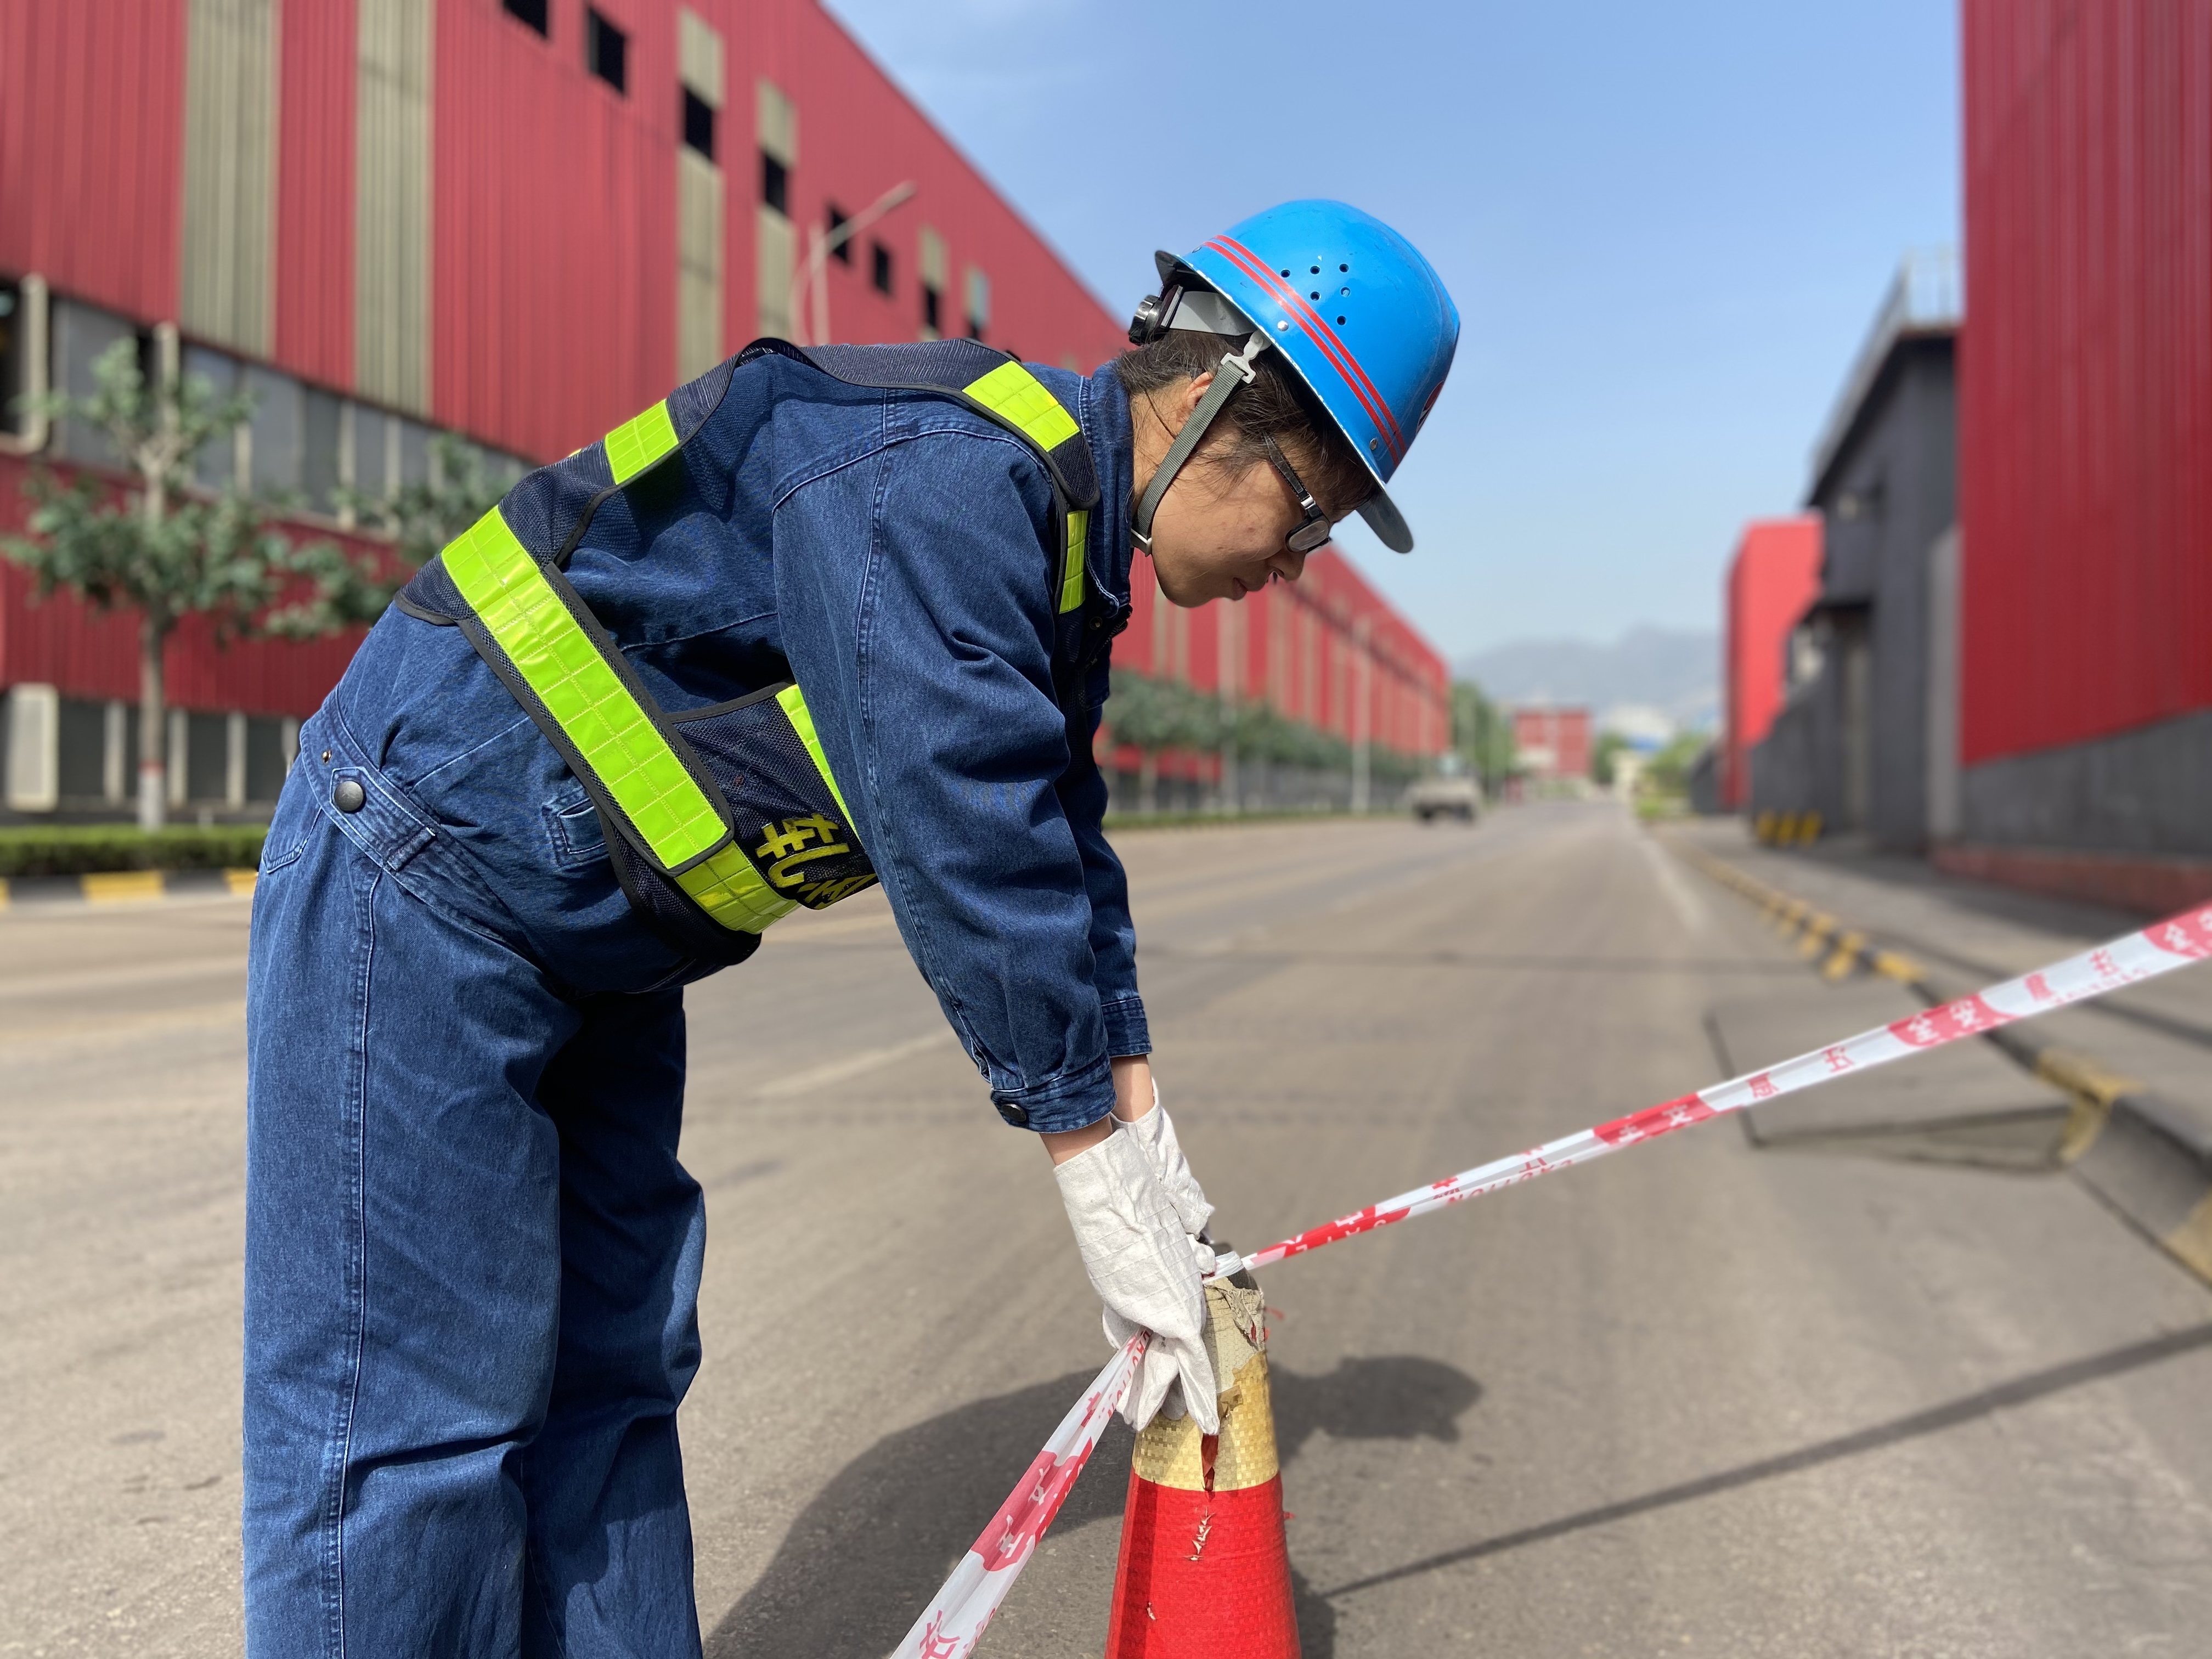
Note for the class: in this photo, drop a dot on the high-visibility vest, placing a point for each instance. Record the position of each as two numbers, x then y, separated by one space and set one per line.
718 821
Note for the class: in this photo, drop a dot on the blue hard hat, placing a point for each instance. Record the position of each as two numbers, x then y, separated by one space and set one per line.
1363 319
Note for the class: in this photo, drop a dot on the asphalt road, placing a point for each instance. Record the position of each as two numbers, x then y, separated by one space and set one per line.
1839 1399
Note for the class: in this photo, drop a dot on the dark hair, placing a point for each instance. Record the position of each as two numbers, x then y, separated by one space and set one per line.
1274 405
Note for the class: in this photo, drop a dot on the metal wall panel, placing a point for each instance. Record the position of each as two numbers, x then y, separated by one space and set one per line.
392 197
2085 370
230 172
700 192
92 113
316 113
1775 575
1296 647
556 232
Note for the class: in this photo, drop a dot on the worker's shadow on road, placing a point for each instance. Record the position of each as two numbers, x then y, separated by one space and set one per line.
866 1556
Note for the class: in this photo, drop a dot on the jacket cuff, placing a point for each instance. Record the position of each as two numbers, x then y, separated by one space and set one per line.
1073 1100
1126 1031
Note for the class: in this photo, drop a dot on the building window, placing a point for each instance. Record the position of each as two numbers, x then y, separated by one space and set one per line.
842 252
979 303
775 183
698 123
12 319
879 264
532 12
606 49
931 311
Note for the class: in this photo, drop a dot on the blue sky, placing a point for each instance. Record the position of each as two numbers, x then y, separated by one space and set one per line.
1666 227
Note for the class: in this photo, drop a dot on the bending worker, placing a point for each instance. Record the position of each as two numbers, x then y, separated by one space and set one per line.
822 619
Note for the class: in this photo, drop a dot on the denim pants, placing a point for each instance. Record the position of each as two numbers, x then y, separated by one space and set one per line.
472 1258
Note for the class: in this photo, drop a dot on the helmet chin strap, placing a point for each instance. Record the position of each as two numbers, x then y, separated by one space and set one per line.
1233 372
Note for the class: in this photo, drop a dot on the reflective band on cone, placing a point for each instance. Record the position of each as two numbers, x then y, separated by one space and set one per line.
1204 1573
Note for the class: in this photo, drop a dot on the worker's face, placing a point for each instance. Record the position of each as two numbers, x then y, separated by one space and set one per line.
1220 533
1220 536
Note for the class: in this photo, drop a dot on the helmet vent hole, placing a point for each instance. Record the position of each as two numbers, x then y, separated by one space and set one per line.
1286 273
1344 267
1315 294
1339 322
1317 270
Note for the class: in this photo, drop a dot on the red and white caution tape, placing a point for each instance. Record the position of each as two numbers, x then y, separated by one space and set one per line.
951 1624
956 1618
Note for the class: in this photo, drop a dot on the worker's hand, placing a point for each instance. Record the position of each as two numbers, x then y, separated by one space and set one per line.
1156 1134
1139 1255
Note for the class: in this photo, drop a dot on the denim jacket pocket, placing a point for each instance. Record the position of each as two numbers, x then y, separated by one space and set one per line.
296 818
573 824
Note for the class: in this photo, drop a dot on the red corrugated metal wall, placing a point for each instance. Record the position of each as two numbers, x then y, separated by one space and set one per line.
2085 370
1296 647
315 190
553 281
92 99
1775 575
857 135
1564 733
554 231
555 200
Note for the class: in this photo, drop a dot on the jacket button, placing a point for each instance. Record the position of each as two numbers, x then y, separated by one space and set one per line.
349 796
1016 1115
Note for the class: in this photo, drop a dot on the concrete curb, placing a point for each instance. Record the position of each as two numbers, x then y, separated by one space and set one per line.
122 887
2149 1161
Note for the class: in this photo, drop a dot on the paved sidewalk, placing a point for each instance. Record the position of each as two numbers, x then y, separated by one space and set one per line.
2138 1061
1969 933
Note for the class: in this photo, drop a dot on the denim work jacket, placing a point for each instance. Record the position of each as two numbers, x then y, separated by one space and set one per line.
895 549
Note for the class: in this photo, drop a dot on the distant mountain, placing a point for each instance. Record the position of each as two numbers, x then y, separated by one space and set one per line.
1672 674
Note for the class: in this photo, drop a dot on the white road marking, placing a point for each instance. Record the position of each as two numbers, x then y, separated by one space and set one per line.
1688 906
851 1065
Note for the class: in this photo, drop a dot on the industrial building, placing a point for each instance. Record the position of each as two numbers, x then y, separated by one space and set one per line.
2085 457
1327 651
1863 738
2006 665
1551 743
518 221
1773 578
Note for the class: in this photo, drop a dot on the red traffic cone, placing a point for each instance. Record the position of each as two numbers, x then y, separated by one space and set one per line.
1204 1573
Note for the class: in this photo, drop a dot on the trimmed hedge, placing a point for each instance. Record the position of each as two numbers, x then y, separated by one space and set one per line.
91 848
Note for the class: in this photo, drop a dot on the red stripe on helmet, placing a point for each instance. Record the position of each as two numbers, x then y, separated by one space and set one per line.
1339 354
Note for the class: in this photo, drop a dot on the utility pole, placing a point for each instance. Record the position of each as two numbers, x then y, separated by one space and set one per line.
1362 672
1231 641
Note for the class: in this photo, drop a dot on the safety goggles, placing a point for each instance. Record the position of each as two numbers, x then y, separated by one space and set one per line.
1316 527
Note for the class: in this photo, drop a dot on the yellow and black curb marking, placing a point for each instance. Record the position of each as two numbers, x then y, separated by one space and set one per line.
121 887
2145 1159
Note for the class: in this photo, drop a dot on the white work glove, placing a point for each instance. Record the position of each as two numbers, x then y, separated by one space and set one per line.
1140 1261
1156 1135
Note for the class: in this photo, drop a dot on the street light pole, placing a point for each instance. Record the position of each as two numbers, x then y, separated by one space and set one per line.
812 276
1363 714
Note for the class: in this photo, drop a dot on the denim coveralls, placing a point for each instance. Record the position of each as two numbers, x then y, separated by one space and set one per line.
472 1260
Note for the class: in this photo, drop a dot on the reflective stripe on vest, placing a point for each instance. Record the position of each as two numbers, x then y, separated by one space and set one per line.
636 444
614 737
1018 398
1071 579
603 721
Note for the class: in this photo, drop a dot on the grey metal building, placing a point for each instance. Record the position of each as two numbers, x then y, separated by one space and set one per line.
1866 737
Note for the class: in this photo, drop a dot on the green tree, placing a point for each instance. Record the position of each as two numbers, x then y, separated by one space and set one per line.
1670 771
1483 734
421 518
1153 715
168 551
1609 745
